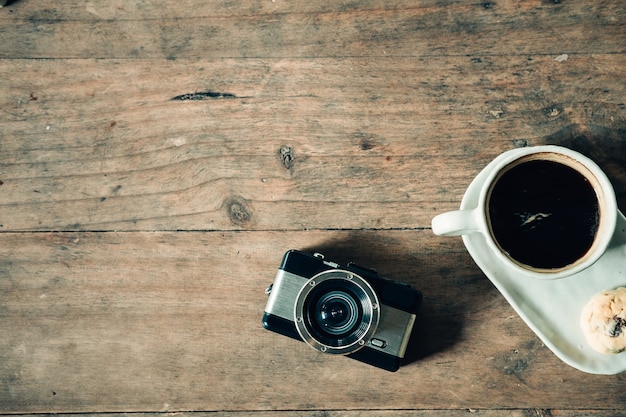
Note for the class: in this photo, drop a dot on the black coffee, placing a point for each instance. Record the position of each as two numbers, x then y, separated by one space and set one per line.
544 214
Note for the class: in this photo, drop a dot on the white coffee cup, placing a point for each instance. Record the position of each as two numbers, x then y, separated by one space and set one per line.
540 223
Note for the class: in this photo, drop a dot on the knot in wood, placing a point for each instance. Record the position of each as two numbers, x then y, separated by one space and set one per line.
238 211
287 157
552 111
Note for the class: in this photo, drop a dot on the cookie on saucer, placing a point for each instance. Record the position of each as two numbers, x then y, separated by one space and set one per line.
603 321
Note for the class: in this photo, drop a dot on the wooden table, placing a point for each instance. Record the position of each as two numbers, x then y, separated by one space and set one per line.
158 158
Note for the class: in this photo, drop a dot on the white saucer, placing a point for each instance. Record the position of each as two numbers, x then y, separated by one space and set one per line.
551 308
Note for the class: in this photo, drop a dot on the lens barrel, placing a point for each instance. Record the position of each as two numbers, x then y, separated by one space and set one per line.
336 311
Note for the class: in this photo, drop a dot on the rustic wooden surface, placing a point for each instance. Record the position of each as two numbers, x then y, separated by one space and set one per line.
158 158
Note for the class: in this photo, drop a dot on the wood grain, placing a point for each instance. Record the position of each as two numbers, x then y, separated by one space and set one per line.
532 412
174 30
158 158
171 321
102 146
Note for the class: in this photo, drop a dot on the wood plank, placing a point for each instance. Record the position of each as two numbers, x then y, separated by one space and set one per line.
533 412
171 322
285 144
183 29
138 10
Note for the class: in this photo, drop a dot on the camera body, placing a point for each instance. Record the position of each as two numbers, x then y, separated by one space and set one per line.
346 310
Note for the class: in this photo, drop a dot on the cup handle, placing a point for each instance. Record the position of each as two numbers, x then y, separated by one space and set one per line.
456 223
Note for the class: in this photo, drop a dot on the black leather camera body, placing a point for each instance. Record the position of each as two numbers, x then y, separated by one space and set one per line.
346 310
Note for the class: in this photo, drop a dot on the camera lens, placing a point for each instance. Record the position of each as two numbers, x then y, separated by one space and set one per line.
336 312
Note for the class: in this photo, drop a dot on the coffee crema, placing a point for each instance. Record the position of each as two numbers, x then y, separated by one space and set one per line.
543 214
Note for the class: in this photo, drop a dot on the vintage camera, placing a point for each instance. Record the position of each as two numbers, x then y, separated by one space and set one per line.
346 310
